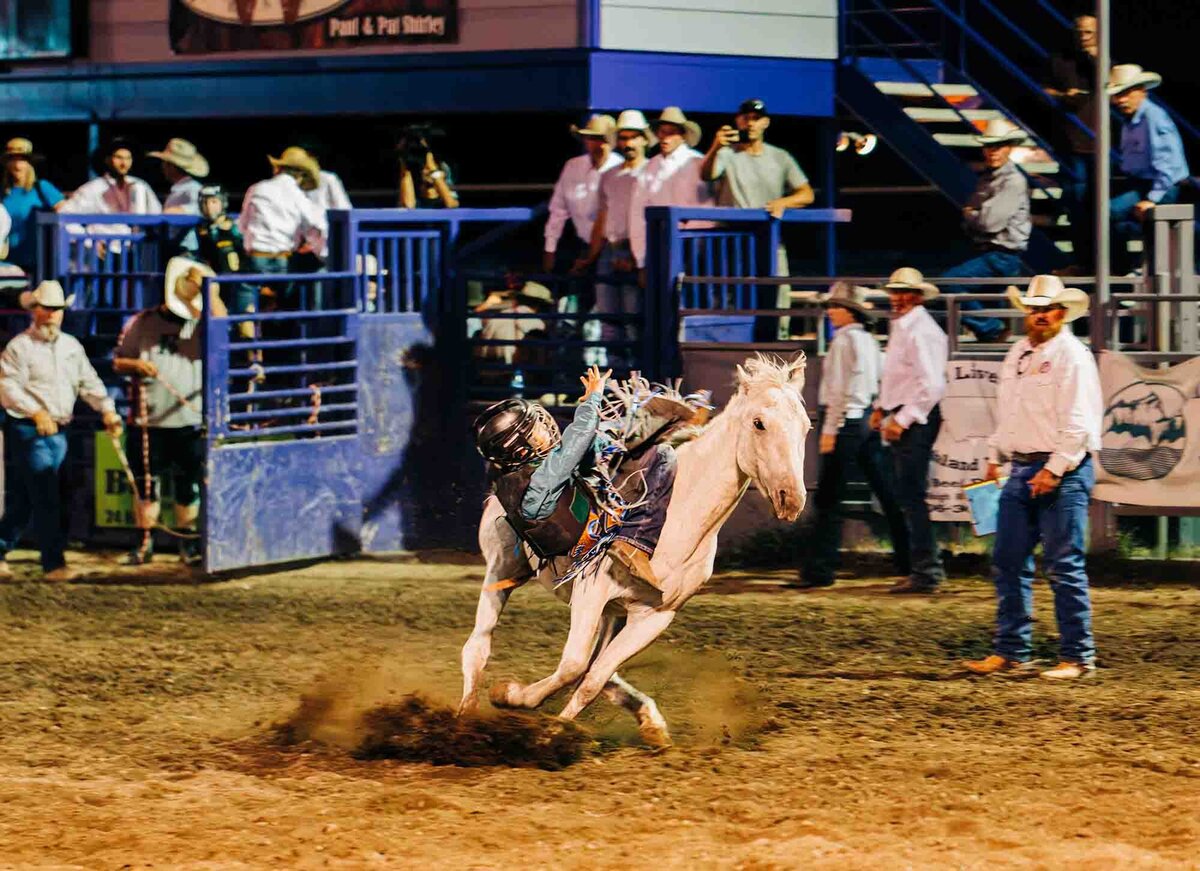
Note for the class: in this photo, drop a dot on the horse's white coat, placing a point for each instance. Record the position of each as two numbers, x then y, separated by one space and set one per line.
759 438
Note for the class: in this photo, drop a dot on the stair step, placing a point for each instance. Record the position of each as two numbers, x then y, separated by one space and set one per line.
1046 193
1036 167
932 114
917 89
968 140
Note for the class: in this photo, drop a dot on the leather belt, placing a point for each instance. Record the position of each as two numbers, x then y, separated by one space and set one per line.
1030 459
271 255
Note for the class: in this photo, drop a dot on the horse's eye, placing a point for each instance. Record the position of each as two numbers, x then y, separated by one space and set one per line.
758 424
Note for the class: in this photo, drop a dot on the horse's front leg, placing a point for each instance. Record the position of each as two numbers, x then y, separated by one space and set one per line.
643 627
478 649
588 599
651 725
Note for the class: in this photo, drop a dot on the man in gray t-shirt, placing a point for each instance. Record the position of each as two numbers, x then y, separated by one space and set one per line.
160 348
750 174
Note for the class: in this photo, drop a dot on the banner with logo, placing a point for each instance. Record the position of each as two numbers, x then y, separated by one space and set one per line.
960 452
200 26
114 497
1150 439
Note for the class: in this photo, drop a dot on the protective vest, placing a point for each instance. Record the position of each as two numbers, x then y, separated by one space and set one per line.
221 245
558 533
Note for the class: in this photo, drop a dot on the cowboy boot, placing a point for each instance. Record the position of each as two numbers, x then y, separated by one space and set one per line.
635 562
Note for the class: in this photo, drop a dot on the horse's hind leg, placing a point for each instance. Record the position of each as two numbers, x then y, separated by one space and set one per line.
651 724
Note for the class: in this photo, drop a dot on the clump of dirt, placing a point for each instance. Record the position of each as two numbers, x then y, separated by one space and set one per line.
414 729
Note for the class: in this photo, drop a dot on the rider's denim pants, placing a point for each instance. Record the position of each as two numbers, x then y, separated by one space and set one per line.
1058 519
643 524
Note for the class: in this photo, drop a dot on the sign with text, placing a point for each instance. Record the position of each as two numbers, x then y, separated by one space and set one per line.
200 26
960 452
114 496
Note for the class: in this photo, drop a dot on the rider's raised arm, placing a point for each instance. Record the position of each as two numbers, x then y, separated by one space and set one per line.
554 473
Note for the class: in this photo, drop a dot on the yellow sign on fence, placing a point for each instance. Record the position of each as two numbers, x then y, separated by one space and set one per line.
114 498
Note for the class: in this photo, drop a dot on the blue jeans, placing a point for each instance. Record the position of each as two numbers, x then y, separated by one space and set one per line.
1058 519
910 463
990 264
32 498
643 524
1126 227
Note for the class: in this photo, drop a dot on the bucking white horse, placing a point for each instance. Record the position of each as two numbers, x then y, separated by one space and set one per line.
758 438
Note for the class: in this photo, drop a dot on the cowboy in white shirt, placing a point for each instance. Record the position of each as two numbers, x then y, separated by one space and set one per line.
43 371
330 193
908 418
576 196
182 166
618 293
116 191
1049 409
672 176
849 382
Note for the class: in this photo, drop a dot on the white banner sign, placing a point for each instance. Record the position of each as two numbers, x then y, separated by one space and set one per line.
960 452
1150 447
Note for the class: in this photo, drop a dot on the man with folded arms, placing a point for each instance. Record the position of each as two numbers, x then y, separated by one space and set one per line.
1049 409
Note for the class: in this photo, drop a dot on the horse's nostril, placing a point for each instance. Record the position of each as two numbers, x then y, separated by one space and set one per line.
783 497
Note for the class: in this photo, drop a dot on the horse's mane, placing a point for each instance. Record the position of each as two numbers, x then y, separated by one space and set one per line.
771 370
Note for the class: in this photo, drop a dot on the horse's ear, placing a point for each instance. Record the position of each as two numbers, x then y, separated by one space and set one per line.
796 371
742 378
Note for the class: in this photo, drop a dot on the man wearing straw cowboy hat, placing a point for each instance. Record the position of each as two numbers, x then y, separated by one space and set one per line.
182 165
849 382
160 348
908 418
576 197
1049 410
996 218
672 176
277 218
1152 159
618 293
42 373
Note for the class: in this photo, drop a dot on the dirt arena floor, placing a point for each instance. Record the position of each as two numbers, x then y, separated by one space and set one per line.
814 730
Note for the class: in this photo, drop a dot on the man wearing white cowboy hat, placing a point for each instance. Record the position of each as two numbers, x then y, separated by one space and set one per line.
849 383
43 371
908 418
996 219
1152 159
672 175
576 197
182 166
1049 410
278 219
160 348
620 293
528 300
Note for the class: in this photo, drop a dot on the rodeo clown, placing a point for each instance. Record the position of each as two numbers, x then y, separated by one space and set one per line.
548 481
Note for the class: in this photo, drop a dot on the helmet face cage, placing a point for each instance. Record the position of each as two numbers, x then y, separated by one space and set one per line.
508 445
215 190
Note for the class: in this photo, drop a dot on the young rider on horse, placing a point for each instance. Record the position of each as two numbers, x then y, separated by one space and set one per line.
541 478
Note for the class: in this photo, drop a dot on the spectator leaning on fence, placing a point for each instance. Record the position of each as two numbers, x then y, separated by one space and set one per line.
672 176
996 219
750 174
576 197
24 195
1152 160
617 288
115 191
183 166
42 373
278 220
908 418
160 348
1049 411
850 375
1071 79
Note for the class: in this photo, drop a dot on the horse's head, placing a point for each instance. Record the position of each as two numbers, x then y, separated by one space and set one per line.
773 425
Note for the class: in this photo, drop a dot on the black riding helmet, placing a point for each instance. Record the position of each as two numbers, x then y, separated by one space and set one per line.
502 432
215 190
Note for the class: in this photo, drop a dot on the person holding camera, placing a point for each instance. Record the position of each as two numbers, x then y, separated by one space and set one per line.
750 174
425 181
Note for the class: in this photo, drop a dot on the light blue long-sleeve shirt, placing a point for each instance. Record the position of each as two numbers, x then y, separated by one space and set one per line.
552 476
1152 149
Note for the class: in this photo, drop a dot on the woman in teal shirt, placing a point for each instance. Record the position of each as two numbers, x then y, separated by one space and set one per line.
24 193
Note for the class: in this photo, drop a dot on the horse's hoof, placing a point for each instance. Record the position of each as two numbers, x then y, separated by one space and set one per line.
504 694
654 735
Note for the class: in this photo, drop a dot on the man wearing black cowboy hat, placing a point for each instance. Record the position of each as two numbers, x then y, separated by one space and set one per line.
849 383
115 191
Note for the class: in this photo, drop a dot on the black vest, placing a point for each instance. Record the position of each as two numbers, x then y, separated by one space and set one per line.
559 532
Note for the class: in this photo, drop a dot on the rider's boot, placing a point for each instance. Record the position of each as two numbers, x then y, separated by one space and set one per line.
635 562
